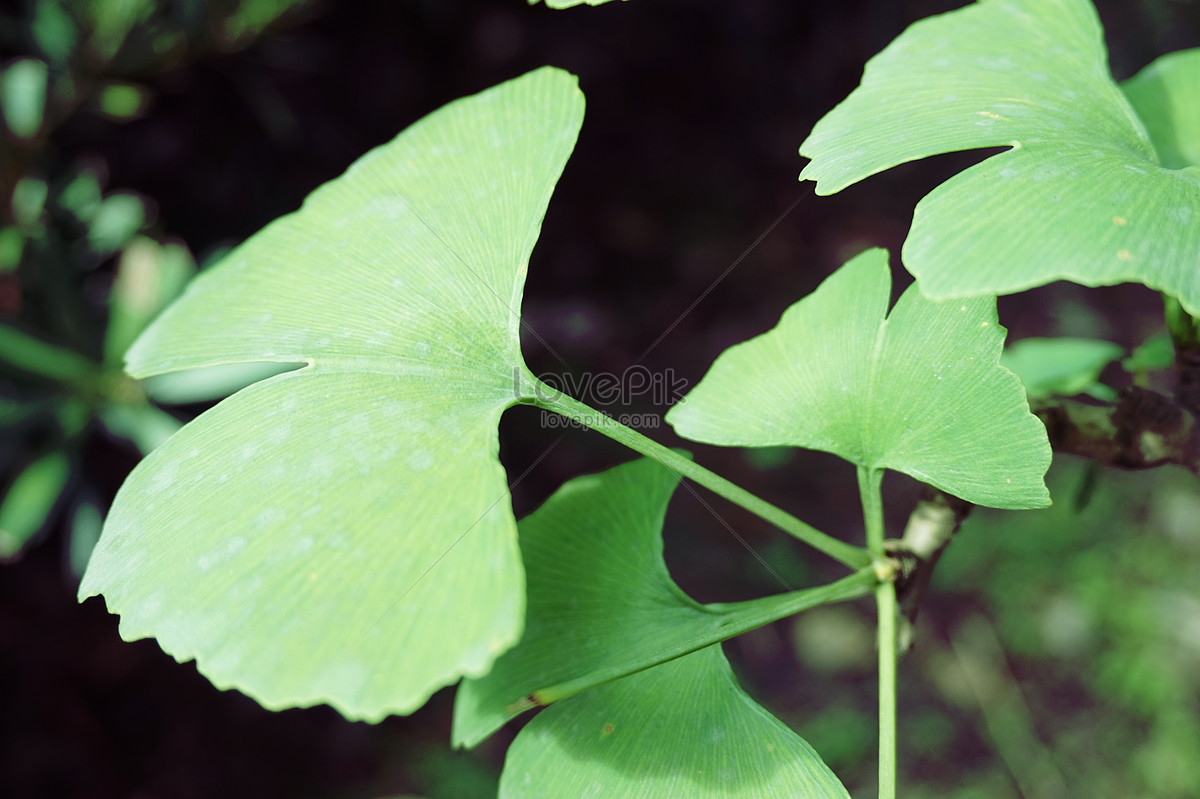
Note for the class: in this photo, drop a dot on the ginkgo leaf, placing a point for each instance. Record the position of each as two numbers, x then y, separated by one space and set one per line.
601 603
682 730
919 391
342 533
1080 194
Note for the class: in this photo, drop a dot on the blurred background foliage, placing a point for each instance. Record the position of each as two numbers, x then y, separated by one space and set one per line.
1057 654
84 266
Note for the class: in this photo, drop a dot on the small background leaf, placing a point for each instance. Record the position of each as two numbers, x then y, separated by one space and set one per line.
1152 355
1062 366
920 392
30 499
23 87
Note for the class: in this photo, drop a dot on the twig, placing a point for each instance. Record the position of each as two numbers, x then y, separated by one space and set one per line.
1142 430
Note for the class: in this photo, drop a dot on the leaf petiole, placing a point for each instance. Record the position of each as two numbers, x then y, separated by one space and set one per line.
551 400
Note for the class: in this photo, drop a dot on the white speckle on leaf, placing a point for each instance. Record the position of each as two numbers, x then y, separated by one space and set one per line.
165 477
269 517
223 553
279 433
420 460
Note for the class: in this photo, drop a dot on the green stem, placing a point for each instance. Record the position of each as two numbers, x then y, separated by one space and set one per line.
729 620
1184 328
33 355
885 601
869 481
551 400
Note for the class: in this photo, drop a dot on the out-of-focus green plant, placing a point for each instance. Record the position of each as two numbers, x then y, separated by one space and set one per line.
1101 605
63 234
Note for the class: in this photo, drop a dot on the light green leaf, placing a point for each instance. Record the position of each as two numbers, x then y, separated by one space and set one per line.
12 244
29 202
28 502
342 533
23 96
209 382
1166 95
117 219
920 392
54 30
122 101
1062 366
1154 354
601 604
87 519
682 730
149 276
1080 194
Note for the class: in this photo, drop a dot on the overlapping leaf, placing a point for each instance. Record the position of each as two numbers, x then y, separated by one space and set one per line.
601 604
919 391
342 533
1081 194
682 730
1166 95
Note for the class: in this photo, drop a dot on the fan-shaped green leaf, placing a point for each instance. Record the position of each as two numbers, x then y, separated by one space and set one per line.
342 533
682 730
1080 195
919 391
601 604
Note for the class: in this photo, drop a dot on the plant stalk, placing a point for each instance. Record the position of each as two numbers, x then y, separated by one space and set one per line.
869 482
28 354
730 619
847 554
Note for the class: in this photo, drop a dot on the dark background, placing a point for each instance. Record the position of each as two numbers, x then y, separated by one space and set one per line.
688 154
